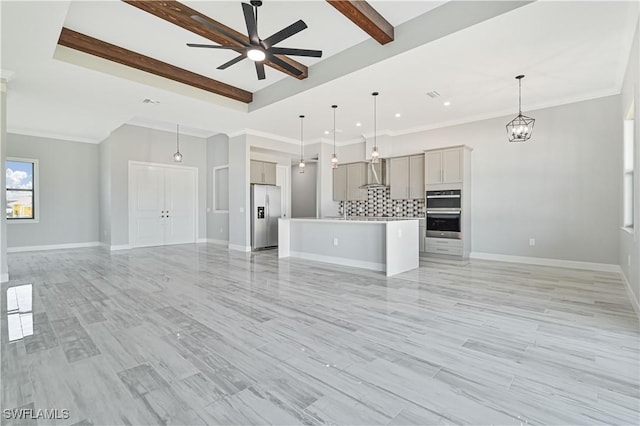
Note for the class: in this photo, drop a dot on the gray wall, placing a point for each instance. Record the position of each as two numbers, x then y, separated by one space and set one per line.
105 192
217 155
239 154
153 146
560 187
629 245
68 195
303 191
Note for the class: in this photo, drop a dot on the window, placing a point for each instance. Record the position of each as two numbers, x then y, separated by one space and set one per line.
22 182
628 174
221 189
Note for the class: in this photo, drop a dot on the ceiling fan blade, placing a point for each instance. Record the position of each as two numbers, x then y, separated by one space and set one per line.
213 46
220 30
284 33
275 60
250 20
260 70
231 62
296 52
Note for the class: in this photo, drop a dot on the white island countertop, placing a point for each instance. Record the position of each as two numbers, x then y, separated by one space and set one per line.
355 219
388 244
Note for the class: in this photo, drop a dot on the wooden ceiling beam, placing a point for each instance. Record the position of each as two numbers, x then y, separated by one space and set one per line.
111 52
366 17
180 15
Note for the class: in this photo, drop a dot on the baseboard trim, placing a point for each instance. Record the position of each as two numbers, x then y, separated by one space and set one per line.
218 242
201 240
543 261
52 247
120 247
339 261
238 247
632 297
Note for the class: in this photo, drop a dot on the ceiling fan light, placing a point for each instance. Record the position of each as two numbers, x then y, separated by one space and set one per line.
257 55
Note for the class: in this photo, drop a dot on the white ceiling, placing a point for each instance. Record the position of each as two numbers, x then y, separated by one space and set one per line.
568 50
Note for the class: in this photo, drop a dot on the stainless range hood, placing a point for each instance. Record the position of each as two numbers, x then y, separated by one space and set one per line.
376 175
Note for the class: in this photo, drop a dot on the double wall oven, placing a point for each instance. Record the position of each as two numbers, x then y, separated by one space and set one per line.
444 214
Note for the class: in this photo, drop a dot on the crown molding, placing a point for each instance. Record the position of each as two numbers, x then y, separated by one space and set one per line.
58 136
186 131
502 113
273 136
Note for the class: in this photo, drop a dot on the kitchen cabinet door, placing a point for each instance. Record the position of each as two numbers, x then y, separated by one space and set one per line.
433 167
452 165
399 178
422 236
256 171
340 183
269 173
416 177
356 177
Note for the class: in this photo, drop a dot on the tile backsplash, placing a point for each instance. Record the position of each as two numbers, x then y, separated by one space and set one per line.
380 204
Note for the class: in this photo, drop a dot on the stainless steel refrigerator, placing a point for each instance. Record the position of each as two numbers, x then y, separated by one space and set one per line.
265 212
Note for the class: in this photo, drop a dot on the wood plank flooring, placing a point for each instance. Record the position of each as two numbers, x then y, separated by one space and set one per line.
196 334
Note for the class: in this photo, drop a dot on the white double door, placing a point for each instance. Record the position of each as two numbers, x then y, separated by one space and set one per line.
162 205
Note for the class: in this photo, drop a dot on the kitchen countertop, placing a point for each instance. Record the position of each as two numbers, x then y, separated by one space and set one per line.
355 219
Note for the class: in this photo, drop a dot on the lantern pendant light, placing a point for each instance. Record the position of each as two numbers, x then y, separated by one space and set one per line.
334 157
302 164
375 155
520 128
177 157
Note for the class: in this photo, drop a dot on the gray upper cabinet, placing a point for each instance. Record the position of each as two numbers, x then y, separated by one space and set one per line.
269 173
347 180
416 176
399 178
407 177
263 172
356 177
340 183
452 165
444 166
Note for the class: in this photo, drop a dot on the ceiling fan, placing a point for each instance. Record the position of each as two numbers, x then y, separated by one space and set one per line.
257 49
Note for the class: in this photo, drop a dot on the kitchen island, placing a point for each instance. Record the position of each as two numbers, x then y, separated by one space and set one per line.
380 244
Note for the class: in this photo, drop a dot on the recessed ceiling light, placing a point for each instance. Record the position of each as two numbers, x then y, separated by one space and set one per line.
433 94
326 132
358 124
447 103
398 115
150 101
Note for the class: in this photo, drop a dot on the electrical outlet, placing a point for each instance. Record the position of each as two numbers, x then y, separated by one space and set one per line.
399 233
335 241
208 209
241 209
532 242
221 230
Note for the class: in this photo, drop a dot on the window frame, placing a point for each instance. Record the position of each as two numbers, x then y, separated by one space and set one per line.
214 202
35 191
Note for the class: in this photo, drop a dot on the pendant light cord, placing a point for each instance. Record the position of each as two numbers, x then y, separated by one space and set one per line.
334 128
178 137
519 78
375 122
301 140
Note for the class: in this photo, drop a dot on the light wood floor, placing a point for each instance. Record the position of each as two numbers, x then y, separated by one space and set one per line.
198 335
